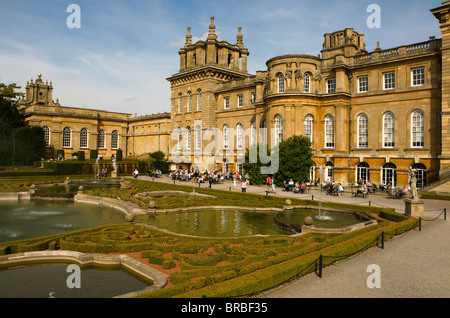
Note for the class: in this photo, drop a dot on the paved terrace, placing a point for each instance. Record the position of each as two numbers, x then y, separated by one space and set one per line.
413 265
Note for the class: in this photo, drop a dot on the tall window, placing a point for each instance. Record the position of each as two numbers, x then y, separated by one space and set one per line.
189 102
240 100
253 134
308 127
226 102
101 139
306 83
225 136
264 132
388 130
329 131
67 137
239 136
46 135
417 129
115 139
180 138
389 174
329 173
84 138
198 137
278 129
281 83
362 172
389 80
421 174
363 131
363 84
180 103
331 86
418 76
188 142
199 100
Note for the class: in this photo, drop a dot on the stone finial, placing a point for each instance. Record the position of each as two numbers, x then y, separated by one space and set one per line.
188 37
212 30
240 37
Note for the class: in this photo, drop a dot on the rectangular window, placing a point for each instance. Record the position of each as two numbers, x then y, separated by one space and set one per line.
389 80
363 84
240 100
331 86
226 102
418 76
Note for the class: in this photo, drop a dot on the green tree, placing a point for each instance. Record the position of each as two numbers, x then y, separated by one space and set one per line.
10 119
252 165
295 159
28 145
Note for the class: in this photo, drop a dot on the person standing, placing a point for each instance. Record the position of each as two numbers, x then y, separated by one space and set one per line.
244 185
269 183
135 173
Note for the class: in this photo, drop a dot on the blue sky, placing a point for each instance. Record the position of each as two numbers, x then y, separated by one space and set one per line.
121 56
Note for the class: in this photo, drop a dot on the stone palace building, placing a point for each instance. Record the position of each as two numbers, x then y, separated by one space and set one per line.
369 115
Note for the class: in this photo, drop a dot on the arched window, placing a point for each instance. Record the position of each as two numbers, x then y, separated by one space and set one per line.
46 135
180 138
263 132
362 172
101 139
67 137
180 103
363 131
239 136
188 142
306 83
417 129
225 136
329 173
189 102
84 138
389 174
312 172
420 170
388 130
199 100
253 134
281 83
278 129
198 137
308 127
329 131
115 139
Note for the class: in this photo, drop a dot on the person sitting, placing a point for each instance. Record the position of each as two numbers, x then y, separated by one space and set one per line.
360 191
296 187
340 190
290 185
303 187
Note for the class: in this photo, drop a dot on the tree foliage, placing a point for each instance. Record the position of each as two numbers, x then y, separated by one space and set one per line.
295 160
10 119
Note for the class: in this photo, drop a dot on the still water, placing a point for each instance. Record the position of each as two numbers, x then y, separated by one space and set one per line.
217 223
40 218
38 281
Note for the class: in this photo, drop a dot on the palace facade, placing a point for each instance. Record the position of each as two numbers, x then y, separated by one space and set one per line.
369 115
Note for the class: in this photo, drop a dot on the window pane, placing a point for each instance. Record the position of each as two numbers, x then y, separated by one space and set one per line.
389 130
389 80
329 131
418 76
418 129
363 131
84 138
